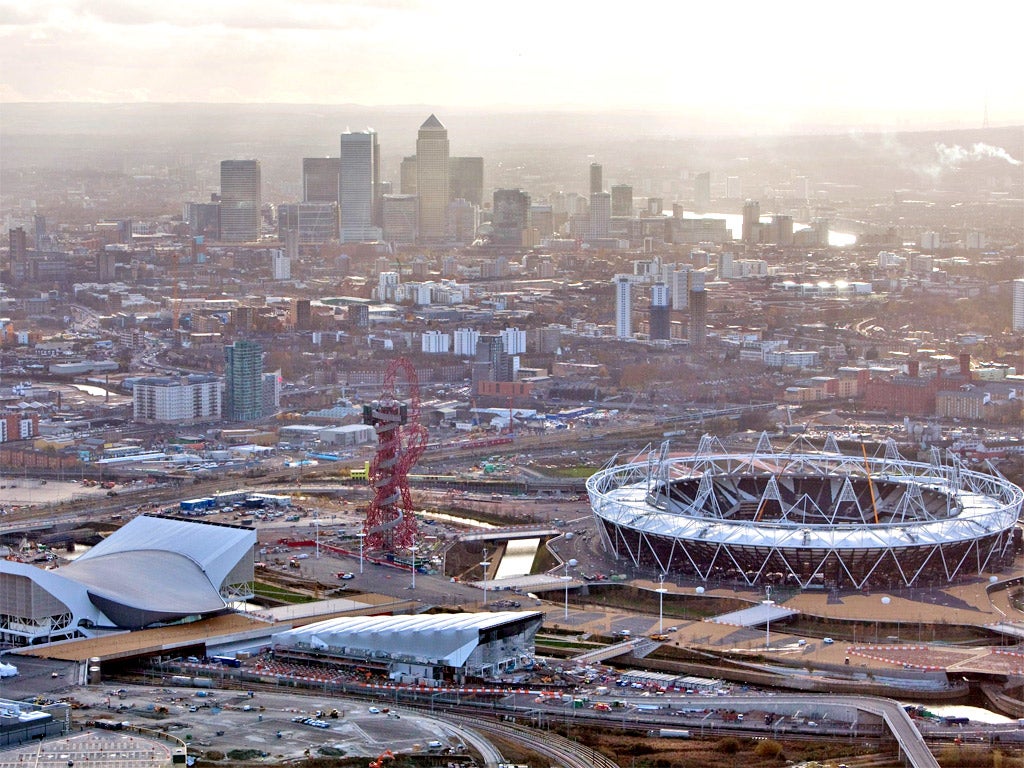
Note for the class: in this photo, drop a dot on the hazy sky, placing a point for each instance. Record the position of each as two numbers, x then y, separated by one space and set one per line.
899 62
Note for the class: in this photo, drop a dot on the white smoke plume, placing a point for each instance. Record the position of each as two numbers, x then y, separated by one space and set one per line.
950 157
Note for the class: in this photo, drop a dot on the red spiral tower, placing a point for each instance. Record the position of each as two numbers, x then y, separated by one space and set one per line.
390 524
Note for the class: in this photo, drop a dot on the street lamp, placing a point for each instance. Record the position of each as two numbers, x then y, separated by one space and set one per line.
362 538
484 563
661 603
768 603
885 601
567 578
413 549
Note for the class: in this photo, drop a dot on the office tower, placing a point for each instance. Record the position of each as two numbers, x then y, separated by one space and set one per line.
782 230
622 200
399 219
202 219
698 316
311 222
407 176
702 192
751 222
733 188
106 266
240 201
243 385
18 252
542 218
596 180
463 221
320 177
511 216
359 186
466 179
655 206
39 222
432 181
801 188
660 313
1018 305
623 307
600 214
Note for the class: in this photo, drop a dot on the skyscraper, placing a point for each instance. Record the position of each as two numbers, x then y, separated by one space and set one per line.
622 200
466 179
359 187
432 182
660 315
751 222
698 317
702 192
320 179
243 386
596 179
600 214
1018 305
240 200
623 307
511 216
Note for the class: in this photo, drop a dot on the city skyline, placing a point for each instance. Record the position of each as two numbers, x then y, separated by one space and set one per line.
758 68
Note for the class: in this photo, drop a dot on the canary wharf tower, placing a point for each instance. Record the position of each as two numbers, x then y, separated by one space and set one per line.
432 184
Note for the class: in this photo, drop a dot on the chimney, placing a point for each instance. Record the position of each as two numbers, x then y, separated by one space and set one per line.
965 365
913 368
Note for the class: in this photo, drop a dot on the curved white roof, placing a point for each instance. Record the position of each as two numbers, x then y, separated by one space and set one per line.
444 638
215 549
983 505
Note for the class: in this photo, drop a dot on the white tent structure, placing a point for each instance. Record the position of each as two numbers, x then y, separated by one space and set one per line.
422 647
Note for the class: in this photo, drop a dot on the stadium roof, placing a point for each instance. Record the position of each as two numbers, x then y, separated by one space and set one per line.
445 638
215 549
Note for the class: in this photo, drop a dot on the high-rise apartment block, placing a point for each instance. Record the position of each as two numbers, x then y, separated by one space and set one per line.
1018 305
623 306
241 201
660 312
243 385
185 400
432 180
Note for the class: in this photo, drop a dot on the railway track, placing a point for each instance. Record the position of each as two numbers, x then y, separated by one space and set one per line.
564 753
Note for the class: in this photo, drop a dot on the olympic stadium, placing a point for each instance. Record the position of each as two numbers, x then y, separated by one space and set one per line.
806 518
